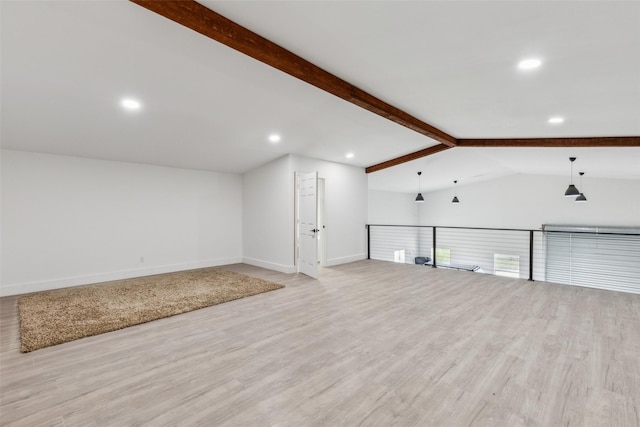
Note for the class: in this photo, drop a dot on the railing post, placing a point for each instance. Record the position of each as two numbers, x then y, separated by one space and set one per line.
531 255
368 241
434 247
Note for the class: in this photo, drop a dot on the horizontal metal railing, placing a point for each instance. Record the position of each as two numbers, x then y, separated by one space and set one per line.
569 257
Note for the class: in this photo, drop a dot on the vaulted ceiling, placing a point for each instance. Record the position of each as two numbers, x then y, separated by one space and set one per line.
67 65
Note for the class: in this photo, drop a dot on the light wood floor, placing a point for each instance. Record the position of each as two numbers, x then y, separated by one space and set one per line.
370 343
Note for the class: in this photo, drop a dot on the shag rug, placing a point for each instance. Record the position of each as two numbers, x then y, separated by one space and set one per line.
54 317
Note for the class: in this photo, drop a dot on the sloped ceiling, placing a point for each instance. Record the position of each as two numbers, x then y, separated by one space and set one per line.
66 66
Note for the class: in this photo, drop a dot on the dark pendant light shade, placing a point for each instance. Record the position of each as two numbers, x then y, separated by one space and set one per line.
455 198
572 191
419 198
581 198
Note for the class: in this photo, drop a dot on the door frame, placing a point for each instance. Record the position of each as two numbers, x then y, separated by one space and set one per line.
322 223
297 234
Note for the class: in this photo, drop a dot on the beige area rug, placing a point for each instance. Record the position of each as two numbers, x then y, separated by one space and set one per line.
54 317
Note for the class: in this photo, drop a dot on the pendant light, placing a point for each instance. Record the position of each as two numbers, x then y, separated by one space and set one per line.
581 198
572 191
455 198
419 198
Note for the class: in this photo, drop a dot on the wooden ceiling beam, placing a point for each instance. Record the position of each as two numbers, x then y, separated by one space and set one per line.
609 141
203 20
407 158
606 141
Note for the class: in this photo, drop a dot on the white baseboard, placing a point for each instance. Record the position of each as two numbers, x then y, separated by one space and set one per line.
345 259
288 269
65 282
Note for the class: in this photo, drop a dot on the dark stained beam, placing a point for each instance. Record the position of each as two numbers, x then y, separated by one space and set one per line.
610 141
407 158
606 141
199 18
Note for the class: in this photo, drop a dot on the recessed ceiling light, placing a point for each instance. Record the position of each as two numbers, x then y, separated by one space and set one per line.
556 120
274 137
349 155
130 104
529 64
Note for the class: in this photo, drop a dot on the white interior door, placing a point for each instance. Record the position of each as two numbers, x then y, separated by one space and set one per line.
308 223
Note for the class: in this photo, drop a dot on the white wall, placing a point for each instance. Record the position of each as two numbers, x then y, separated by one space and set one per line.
386 207
517 201
528 201
69 221
267 216
269 204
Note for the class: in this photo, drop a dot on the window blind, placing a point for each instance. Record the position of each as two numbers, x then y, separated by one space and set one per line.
595 257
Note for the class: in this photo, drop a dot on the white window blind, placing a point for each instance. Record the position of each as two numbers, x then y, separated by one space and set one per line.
595 257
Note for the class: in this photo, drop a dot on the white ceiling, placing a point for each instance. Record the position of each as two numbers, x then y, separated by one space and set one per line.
66 65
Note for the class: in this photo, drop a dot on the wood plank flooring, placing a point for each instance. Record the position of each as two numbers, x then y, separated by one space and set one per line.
369 343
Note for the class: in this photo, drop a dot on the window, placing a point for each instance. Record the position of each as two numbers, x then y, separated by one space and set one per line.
443 256
506 265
